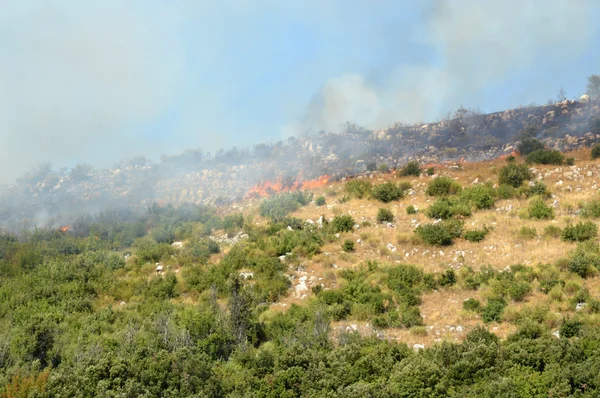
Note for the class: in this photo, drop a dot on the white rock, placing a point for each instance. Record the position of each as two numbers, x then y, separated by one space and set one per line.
418 347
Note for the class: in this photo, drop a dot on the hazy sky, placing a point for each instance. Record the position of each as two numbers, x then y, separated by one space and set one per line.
98 81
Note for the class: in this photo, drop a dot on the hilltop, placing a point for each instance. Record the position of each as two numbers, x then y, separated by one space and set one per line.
48 197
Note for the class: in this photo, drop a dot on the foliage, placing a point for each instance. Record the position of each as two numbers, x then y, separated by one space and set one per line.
584 258
596 151
387 192
442 186
385 215
278 207
480 196
570 161
546 156
430 171
528 232
593 87
580 232
471 304
514 174
348 245
411 169
475 235
440 234
358 188
320 201
343 223
444 208
492 312
539 210
591 209
410 209
529 145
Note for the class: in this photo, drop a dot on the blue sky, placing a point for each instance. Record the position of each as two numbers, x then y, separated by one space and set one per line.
96 82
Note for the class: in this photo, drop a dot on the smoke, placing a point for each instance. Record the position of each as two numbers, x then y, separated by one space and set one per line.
480 45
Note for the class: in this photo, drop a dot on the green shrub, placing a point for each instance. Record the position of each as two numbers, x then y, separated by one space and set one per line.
591 209
343 223
539 210
444 208
430 171
320 201
387 192
448 278
514 174
348 245
528 233
505 191
440 234
411 210
580 232
570 161
518 290
434 234
596 151
471 304
278 207
480 196
584 258
538 189
384 168
405 185
529 145
385 215
358 188
552 231
570 328
546 156
443 186
411 169
232 221
475 235
492 312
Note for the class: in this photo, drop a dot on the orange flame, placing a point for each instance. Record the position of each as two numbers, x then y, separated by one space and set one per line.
267 188
65 228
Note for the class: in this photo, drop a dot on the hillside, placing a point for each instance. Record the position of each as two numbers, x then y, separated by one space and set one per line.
47 197
457 279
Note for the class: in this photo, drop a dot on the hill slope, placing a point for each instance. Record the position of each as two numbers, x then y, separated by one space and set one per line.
465 286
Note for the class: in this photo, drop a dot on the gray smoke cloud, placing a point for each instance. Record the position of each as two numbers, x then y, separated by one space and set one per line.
479 43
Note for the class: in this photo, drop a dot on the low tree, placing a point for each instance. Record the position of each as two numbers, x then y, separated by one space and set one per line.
593 87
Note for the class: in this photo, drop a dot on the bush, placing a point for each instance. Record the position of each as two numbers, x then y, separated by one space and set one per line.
411 210
480 196
444 208
387 192
348 245
584 258
505 191
570 161
343 223
529 145
278 207
440 234
443 186
411 169
580 232
385 215
596 151
539 210
514 174
448 278
546 156
384 168
430 171
471 304
492 312
358 188
475 235
320 201
570 328
591 209
538 189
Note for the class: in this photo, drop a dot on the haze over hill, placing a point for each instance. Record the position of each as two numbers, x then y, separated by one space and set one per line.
98 83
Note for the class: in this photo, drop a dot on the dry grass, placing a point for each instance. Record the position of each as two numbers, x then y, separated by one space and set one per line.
442 310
